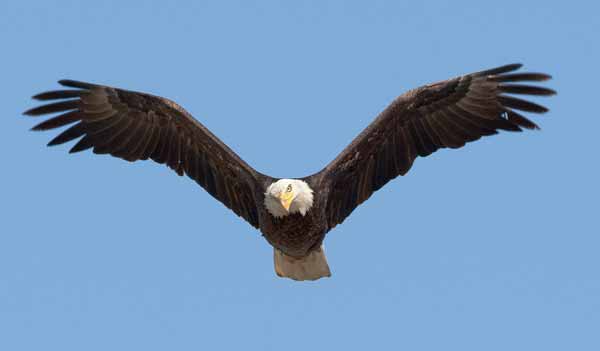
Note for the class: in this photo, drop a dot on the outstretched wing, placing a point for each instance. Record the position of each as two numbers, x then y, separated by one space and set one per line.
445 114
137 126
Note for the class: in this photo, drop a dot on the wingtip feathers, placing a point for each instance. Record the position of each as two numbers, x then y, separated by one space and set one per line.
76 84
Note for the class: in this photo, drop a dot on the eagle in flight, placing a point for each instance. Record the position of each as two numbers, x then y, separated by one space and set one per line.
294 215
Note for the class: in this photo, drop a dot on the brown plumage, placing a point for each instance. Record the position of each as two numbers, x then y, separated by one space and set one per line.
137 126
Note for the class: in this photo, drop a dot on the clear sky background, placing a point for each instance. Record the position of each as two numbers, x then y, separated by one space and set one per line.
490 247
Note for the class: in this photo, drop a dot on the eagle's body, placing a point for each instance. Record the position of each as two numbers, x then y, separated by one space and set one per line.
295 238
294 215
295 235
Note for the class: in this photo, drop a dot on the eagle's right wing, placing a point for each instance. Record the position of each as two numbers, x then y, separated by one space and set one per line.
445 114
137 126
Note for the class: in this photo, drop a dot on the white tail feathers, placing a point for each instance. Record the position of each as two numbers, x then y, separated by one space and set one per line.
311 267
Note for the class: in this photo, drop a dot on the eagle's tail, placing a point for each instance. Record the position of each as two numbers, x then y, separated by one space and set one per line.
311 267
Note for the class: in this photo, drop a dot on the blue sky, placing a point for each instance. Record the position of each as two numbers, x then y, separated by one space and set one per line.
490 247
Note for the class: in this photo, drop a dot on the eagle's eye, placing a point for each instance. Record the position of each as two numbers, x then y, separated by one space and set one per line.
289 188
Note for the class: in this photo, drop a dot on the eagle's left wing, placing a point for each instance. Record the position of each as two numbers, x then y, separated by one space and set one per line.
138 126
444 114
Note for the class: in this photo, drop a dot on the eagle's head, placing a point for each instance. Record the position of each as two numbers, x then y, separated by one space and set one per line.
287 196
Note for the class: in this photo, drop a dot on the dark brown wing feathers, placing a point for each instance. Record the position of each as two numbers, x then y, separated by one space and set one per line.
136 126
446 114
449 114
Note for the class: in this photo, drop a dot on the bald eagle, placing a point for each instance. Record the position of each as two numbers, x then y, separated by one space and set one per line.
294 214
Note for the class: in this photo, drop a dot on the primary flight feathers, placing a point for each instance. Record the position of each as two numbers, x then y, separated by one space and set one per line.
137 126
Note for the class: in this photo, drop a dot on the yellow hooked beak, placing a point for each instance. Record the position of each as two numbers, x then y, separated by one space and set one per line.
286 200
